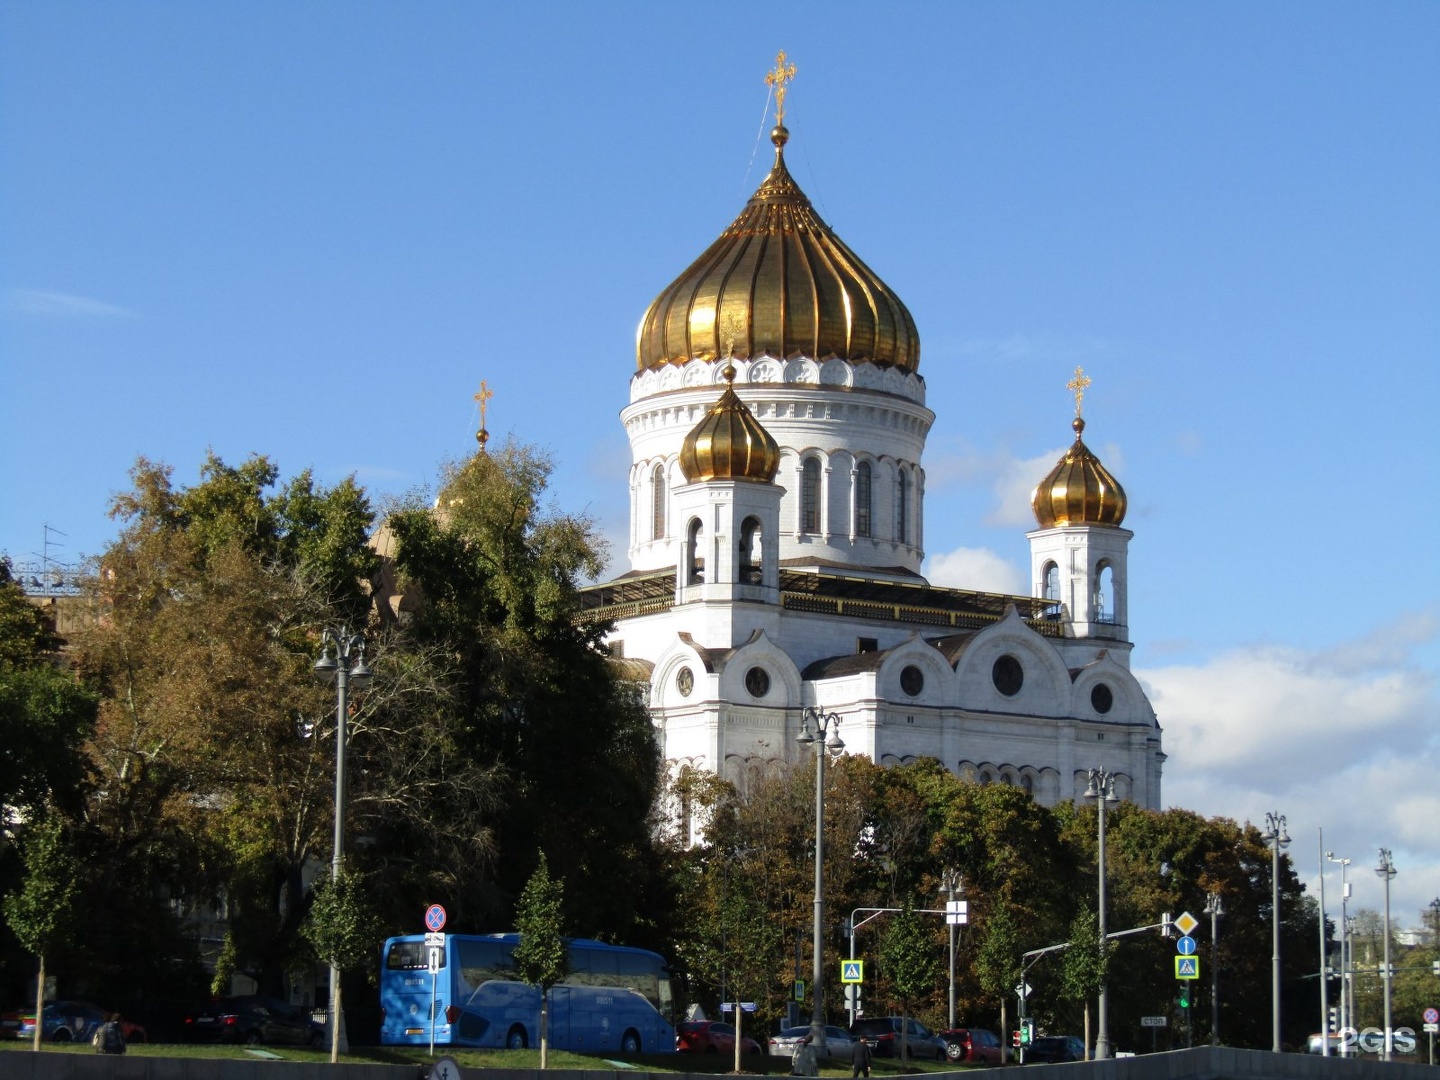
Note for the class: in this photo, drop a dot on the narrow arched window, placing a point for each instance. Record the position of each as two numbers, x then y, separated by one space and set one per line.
694 555
902 507
1105 593
1051 585
810 496
750 552
659 495
862 499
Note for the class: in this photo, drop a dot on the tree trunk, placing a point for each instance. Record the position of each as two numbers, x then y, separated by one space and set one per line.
544 1027
1005 1030
1087 1029
335 1022
904 1034
738 1021
39 1004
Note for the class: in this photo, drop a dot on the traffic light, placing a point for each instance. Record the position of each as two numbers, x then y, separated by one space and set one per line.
1015 1039
1165 925
1435 967
1182 997
1027 1032
1334 1019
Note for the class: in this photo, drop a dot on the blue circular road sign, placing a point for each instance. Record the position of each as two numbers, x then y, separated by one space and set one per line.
435 918
1186 946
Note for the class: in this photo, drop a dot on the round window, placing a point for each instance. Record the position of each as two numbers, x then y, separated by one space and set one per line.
685 681
912 680
757 681
1008 675
1101 698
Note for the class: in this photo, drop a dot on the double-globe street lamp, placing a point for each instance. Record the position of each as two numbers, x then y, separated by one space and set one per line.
1214 907
1276 836
1101 788
1386 870
347 670
1346 1020
822 729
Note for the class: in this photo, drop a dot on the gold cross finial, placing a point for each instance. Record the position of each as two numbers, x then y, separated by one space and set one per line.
1077 385
734 325
483 397
782 74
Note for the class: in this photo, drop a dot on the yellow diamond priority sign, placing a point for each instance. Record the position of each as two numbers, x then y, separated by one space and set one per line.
1186 923
852 971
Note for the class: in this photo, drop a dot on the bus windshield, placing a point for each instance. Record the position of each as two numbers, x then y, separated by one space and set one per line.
614 998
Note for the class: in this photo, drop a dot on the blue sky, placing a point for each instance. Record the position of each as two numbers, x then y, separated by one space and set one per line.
310 229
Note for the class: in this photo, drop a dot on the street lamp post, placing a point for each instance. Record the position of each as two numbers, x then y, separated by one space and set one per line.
1386 870
1101 788
952 884
1345 1020
1214 907
1276 836
823 729
347 670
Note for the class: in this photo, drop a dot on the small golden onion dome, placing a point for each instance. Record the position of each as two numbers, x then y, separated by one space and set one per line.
729 443
1079 490
778 282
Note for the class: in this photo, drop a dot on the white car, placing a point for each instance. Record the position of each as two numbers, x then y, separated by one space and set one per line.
838 1043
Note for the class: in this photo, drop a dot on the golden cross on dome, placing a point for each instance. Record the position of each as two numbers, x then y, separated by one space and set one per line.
483 397
1077 385
782 74
734 325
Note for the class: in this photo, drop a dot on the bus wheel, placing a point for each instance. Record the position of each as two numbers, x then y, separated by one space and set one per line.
630 1042
515 1039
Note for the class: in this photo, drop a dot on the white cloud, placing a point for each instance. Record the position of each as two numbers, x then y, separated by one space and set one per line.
975 568
58 305
1341 739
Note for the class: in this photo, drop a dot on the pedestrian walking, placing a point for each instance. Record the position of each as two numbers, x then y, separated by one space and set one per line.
860 1058
804 1062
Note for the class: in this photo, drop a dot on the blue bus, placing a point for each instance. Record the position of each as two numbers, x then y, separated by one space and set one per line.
615 998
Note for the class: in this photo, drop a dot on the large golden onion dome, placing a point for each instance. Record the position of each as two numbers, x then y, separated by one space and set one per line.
778 282
729 443
1079 490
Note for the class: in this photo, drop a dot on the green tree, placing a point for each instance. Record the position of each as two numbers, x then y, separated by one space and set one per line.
41 910
998 963
541 956
907 956
342 928
1085 963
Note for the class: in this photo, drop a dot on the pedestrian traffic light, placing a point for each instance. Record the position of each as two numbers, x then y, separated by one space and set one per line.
1015 1039
1027 1032
1182 997
1334 1019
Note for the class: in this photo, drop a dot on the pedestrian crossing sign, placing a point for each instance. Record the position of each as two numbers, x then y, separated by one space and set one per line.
1187 967
852 971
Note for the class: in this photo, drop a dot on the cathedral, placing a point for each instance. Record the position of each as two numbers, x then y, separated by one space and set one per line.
777 425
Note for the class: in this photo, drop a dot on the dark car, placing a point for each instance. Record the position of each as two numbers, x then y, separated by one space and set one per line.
711 1037
882 1034
253 1018
976 1046
66 1021
1050 1048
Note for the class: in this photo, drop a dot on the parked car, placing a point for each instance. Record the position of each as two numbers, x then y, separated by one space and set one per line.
882 1033
253 1018
65 1021
711 1037
838 1043
976 1046
1051 1048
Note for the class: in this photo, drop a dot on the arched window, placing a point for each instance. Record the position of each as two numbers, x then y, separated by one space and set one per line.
694 554
862 499
1052 581
902 507
750 551
810 496
1105 593
659 495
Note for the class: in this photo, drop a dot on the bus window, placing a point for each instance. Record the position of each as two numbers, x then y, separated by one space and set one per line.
481 961
409 956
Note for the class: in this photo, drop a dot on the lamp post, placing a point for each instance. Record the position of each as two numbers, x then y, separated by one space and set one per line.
952 884
1386 870
823 729
1435 923
1344 952
1214 907
1101 788
1276 836
346 669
